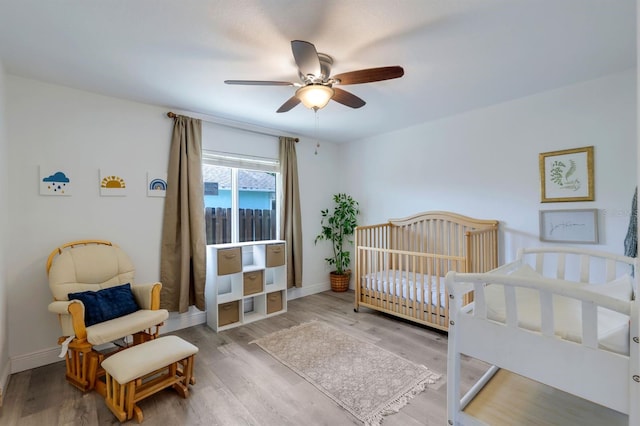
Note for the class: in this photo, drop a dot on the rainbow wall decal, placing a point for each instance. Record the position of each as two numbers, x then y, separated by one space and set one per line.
156 184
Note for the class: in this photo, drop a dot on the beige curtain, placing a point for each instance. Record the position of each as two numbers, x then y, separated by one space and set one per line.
290 219
183 266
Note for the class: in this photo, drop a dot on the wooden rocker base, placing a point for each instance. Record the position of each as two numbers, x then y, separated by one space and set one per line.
143 370
83 362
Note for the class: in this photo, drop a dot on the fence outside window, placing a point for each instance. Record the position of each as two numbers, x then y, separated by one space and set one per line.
254 225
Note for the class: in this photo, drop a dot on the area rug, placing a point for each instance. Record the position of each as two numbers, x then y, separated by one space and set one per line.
364 379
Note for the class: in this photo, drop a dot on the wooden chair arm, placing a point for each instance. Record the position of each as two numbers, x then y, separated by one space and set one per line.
75 308
77 314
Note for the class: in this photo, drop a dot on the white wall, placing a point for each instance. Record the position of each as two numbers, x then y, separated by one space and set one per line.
83 132
484 163
4 229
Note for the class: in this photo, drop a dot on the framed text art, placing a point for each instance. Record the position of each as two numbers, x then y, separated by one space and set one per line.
567 175
569 226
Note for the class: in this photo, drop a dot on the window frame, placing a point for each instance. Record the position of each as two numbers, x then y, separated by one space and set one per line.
237 162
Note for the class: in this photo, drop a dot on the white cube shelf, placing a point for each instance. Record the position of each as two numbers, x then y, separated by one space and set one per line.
227 306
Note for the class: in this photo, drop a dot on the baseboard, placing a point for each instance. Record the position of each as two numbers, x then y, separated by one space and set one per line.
5 376
178 321
307 290
35 359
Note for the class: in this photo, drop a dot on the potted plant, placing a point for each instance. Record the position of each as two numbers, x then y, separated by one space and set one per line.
338 227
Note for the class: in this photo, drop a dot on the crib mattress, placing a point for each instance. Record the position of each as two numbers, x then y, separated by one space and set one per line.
613 327
401 284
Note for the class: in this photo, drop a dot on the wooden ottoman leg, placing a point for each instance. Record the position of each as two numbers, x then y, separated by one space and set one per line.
175 376
186 370
190 378
129 402
138 413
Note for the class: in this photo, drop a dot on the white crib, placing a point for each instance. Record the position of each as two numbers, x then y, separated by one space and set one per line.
564 317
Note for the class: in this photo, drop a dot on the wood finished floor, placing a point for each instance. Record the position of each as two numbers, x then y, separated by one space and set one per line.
239 384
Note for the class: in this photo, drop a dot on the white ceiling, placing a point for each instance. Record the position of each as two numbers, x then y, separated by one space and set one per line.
458 55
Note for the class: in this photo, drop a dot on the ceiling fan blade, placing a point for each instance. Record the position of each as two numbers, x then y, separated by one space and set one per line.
306 57
369 75
346 98
259 83
289 104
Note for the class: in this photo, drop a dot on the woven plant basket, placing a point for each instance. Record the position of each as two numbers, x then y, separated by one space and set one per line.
340 283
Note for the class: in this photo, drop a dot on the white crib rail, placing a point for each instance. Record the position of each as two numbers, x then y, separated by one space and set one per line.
569 263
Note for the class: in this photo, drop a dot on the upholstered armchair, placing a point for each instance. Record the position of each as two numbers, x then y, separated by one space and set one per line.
97 302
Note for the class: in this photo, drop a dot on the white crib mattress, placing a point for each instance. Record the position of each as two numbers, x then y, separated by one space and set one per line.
613 327
402 285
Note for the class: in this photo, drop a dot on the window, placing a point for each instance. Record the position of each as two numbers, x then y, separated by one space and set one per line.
241 198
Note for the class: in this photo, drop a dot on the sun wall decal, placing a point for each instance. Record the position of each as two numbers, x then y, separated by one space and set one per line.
113 182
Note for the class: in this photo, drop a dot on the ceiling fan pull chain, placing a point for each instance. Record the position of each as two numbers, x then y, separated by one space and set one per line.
315 110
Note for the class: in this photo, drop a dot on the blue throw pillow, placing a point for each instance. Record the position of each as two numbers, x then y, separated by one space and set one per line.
106 304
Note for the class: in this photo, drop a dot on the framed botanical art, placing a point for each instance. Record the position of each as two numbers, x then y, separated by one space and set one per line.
567 175
569 226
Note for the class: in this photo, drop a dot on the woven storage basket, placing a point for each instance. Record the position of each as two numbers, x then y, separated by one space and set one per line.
340 283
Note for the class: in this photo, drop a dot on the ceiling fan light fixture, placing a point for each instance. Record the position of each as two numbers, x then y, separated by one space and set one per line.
315 96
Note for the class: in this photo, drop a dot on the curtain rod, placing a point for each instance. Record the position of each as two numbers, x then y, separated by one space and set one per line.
172 114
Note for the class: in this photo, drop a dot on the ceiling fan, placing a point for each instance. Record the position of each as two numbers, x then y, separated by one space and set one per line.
317 85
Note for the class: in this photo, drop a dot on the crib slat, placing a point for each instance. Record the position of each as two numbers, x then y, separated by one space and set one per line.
584 268
418 271
389 292
439 273
480 304
511 305
427 304
589 325
539 262
561 267
408 301
374 264
610 268
547 320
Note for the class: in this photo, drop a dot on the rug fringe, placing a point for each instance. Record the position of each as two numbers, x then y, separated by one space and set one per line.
396 405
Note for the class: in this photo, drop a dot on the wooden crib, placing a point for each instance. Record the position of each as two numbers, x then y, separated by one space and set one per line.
399 262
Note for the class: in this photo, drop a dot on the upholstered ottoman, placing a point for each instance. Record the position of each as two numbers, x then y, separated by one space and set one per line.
142 370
